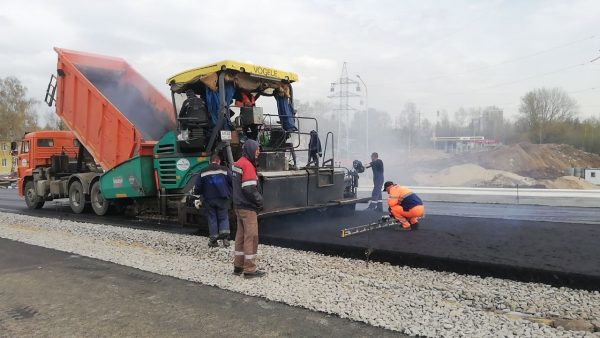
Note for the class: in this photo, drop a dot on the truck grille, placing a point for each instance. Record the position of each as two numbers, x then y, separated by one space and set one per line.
167 171
165 149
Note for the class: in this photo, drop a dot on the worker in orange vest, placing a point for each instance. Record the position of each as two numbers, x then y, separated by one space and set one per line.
404 205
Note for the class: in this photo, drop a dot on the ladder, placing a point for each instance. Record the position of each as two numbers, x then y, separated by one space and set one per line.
384 222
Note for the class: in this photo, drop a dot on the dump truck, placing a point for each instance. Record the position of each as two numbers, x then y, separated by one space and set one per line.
129 147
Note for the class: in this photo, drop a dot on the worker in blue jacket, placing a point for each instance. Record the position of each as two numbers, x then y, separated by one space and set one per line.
214 184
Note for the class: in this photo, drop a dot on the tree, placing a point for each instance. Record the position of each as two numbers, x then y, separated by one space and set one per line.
53 122
410 117
16 110
543 106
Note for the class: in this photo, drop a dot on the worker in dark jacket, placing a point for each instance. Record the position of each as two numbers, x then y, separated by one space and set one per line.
247 202
314 149
404 205
377 166
214 184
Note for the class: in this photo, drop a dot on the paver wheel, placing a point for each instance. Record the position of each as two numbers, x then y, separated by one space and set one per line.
99 204
32 200
77 197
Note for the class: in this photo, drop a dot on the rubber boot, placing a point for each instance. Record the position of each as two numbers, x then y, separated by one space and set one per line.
212 243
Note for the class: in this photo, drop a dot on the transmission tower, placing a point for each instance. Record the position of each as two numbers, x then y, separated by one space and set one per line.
343 90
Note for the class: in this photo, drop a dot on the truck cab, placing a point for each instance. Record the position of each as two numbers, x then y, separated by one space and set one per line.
36 153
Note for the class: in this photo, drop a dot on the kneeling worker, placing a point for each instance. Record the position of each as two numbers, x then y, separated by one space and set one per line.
404 205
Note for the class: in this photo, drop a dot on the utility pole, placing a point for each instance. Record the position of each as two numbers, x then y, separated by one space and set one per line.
367 106
341 90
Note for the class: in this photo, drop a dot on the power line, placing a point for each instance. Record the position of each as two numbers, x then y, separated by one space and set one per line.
504 62
533 76
517 58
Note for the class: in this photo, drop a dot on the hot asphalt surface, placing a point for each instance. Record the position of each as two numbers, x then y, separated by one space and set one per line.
560 247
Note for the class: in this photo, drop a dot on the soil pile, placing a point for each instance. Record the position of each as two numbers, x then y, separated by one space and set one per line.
538 161
472 175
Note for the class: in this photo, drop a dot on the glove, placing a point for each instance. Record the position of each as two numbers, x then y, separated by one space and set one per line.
198 203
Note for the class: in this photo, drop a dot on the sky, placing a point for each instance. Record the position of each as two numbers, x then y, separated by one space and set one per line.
441 55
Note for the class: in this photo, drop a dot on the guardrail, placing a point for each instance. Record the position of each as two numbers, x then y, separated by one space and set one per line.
516 195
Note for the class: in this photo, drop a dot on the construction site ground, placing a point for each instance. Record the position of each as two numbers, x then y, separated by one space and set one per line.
45 292
525 164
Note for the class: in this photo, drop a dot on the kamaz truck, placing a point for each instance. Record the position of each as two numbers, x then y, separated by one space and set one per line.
129 147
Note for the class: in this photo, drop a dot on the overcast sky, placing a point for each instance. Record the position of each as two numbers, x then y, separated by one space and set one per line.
438 54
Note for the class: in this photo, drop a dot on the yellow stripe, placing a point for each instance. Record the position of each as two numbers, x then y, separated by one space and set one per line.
121 195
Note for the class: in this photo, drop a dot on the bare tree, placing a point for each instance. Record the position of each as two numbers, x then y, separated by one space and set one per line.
53 122
411 117
543 106
16 110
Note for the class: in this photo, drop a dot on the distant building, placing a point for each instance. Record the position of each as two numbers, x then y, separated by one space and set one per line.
459 144
592 175
7 161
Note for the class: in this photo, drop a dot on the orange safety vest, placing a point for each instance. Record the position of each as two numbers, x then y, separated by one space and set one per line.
396 194
248 100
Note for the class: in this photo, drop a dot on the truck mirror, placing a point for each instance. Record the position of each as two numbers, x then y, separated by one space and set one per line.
14 146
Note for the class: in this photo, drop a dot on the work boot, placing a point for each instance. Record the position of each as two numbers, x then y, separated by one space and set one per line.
225 242
238 271
212 243
255 274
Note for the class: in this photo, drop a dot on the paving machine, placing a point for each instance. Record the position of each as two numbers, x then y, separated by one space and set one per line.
127 146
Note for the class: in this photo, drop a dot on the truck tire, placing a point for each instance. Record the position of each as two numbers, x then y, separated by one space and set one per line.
32 200
99 204
77 197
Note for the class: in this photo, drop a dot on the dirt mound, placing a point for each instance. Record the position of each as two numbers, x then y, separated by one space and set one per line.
471 175
545 161
569 182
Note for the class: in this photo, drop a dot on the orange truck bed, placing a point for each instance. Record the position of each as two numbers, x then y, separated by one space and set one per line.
113 111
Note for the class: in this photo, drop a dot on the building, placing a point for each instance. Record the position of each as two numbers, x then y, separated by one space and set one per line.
7 161
459 144
592 175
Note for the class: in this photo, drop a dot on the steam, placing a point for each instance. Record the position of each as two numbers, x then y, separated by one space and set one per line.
152 122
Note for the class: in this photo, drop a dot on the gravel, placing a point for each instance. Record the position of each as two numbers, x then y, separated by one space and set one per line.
408 300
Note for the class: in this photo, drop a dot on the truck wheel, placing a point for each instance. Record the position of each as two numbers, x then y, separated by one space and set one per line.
76 197
99 204
32 200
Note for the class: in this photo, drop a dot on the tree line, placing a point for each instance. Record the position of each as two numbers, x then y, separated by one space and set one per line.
546 115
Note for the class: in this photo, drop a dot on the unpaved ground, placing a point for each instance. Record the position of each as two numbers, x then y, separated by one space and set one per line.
525 164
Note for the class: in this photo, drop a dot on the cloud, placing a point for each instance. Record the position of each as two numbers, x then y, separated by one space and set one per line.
400 49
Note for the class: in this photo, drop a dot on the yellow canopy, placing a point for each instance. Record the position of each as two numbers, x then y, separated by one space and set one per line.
179 80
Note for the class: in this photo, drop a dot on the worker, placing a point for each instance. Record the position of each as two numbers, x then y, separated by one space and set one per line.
376 165
192 105
247 202
404 205
314 149
245 99
214 184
